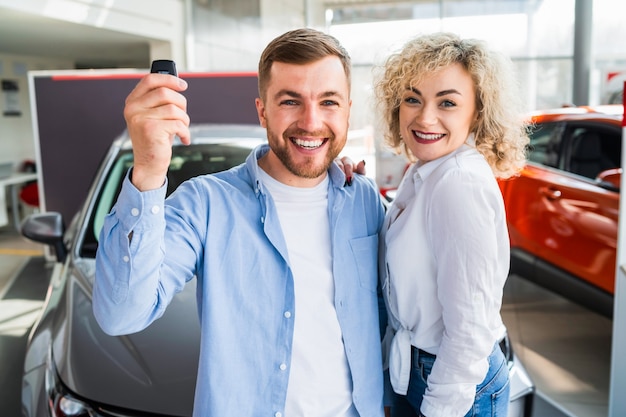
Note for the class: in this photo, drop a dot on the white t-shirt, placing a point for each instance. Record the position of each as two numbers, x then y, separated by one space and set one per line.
319 378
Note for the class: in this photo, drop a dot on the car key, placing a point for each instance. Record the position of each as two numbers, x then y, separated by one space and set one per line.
164 66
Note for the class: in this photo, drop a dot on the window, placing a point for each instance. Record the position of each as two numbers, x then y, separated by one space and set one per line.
545 144
592 150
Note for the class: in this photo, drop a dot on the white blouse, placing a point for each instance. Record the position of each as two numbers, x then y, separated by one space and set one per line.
444 263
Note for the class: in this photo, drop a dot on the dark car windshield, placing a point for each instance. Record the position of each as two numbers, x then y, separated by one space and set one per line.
187 162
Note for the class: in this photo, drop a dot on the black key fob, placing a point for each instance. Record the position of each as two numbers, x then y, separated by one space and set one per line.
164 66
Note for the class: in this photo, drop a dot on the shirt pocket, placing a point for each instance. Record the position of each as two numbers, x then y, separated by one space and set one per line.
365 251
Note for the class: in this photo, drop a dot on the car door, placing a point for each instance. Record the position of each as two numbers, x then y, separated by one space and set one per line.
566 217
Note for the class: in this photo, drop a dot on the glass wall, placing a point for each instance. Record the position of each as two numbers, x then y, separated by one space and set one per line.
537 34
229 35
225 34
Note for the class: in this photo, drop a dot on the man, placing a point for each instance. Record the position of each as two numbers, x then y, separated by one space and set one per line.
284 251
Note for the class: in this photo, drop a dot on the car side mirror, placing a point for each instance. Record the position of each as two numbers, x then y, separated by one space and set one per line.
47 228
610 179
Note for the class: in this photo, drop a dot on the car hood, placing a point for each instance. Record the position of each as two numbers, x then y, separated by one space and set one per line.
153 371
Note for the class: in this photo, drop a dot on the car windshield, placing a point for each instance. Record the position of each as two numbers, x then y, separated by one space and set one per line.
187 162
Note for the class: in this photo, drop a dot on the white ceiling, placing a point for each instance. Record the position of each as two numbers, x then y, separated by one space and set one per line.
32 35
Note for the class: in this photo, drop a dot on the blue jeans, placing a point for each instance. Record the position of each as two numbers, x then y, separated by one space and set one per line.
492 395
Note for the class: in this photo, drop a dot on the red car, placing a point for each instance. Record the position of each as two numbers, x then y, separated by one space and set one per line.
562 210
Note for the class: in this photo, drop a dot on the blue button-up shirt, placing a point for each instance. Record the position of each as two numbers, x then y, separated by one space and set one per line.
224 230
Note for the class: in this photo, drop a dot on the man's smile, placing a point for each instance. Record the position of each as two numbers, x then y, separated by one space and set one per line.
308 144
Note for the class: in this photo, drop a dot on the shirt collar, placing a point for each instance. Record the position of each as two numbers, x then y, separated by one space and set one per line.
425 169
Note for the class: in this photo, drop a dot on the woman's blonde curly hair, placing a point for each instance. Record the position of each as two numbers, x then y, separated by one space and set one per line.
500 130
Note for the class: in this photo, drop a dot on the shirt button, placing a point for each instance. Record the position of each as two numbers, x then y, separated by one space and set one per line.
126 259
134 212
155 209
282 366
262 219
278 414
287 314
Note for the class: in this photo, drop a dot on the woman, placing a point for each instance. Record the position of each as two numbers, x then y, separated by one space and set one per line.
450 104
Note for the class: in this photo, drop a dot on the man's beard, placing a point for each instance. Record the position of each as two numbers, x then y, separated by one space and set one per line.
308 168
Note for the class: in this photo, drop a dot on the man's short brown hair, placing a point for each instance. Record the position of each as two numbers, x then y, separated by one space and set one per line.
300 46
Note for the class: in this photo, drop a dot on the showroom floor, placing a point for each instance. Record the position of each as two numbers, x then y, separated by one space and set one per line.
565 348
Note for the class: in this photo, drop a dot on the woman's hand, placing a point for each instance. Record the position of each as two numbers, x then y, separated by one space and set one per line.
350 168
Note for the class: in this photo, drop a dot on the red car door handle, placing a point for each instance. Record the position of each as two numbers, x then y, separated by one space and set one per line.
550 193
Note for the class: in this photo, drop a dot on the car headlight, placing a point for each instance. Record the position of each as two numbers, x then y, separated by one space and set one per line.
61 403
67 406
64 403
